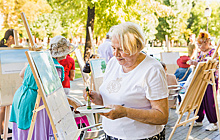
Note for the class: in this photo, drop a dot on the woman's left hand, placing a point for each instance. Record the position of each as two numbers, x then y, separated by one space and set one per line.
117 111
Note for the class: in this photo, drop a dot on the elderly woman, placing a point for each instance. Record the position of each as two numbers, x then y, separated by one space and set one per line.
208 105
135 87
25 97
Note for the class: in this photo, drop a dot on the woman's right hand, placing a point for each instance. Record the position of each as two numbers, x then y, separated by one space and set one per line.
192 62
95 97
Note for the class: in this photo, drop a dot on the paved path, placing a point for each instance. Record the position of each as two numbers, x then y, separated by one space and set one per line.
197 133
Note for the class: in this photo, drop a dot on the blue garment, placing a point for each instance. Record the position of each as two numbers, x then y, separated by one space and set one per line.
180 72
24 101
58 66
25 98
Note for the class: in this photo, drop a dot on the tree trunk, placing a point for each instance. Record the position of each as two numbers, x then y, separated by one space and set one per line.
90 22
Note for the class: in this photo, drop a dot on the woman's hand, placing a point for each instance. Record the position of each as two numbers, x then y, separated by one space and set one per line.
95 97
193 62
117 111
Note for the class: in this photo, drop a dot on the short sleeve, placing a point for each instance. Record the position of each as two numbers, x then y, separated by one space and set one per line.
177 73
156 84
73 65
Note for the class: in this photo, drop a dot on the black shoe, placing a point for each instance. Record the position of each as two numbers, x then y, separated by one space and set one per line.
9 130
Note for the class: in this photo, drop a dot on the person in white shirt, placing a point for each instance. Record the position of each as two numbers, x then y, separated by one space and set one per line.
135 87
105 49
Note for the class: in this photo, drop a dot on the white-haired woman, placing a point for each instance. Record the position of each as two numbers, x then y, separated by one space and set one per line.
25 97
135 87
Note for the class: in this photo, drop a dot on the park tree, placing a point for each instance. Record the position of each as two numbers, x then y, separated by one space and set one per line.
198 21
11 9
175 26
101 15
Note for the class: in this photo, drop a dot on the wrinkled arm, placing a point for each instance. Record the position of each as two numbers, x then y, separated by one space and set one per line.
74 104
157 115
22 72
72 75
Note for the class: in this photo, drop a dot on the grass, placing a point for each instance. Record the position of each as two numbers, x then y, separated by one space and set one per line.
77 70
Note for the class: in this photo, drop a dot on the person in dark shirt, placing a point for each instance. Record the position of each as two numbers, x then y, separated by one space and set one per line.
8 39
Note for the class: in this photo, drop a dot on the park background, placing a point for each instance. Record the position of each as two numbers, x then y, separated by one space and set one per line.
71 18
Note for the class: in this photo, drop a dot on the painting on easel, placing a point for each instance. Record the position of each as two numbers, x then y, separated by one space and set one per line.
12 61
98 67
50 82
53 95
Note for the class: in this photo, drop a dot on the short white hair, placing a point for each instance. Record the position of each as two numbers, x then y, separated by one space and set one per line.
130 37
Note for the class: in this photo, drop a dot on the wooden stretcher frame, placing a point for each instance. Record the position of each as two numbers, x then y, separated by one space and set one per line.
203 75
5 134
85 76
16 83
42 95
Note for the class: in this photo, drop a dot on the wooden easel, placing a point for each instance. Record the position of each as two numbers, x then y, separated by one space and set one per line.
33 46
91 38
37 107
5 134
16 40
170 58
92 84
85 76
96 72
167 43
203 75
81 63
55 102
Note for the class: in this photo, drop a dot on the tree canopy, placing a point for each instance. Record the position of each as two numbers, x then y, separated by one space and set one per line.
175 18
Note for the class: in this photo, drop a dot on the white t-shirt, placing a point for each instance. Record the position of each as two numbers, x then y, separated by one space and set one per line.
105 50
133 89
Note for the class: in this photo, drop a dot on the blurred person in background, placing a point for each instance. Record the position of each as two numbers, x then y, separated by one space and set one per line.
105 49
208 105
8 39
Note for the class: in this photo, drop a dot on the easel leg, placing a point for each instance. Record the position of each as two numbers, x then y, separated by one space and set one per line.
187 117
96 118
34 117
91 82
2 118
175 127
190 129
215 99
6 121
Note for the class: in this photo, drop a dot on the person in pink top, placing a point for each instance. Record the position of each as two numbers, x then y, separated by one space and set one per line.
208 105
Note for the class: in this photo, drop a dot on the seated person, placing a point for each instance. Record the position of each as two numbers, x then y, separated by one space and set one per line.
184 70
171 81
171 78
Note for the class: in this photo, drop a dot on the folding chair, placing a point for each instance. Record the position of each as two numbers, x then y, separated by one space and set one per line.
96 129
173 88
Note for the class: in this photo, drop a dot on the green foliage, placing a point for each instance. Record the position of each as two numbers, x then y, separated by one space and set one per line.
175 18
175 26
11 10
197 20
77 71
